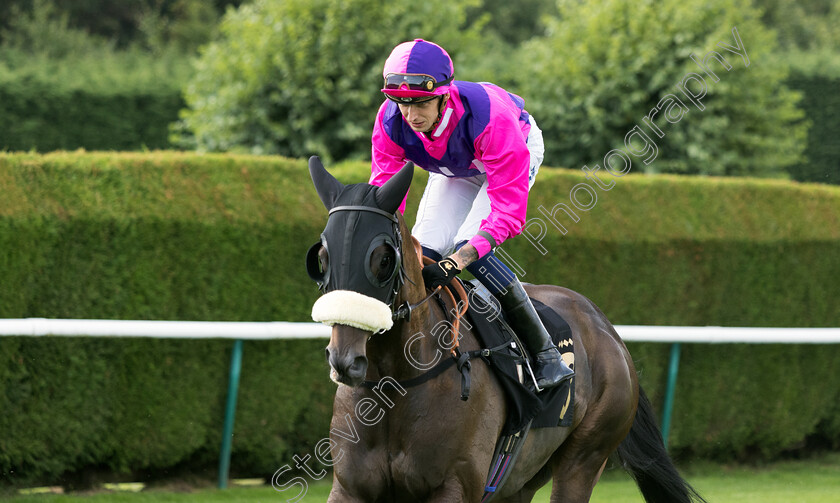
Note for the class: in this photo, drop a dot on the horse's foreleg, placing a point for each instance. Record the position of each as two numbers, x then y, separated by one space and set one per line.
452 491
339 495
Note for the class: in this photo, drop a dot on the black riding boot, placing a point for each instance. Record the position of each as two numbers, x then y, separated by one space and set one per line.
549 368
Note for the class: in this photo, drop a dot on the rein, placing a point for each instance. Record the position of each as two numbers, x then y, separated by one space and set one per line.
404 311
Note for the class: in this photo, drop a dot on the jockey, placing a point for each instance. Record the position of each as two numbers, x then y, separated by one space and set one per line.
482 151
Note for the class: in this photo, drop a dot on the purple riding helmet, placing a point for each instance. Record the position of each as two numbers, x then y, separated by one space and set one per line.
417 71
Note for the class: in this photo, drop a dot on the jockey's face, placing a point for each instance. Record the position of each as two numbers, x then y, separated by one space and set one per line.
421 117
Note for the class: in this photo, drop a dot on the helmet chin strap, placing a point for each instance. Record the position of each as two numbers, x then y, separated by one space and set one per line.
443 99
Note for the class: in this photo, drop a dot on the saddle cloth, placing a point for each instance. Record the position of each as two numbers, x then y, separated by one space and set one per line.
549 408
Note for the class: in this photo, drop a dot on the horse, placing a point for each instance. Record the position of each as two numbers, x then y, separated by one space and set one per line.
405 437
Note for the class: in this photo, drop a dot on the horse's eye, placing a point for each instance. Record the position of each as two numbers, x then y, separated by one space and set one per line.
318 263
385 263
382 263
323 259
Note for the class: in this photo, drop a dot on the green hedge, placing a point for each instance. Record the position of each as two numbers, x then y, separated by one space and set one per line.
221 237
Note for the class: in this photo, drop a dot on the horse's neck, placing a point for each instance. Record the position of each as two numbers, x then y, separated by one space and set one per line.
410 348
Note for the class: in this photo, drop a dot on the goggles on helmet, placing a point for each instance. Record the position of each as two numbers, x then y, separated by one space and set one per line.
412 81
406 84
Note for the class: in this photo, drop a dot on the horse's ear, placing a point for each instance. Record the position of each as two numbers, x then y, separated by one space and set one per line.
390 196
326 185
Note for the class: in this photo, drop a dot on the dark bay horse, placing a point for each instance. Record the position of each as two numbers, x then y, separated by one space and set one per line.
391 442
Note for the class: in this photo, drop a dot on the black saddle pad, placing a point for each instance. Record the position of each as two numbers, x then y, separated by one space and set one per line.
549 408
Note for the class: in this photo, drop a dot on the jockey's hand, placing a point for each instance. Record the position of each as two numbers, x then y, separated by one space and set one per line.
440 273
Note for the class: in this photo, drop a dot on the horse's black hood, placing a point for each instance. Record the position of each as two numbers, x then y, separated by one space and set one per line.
361 219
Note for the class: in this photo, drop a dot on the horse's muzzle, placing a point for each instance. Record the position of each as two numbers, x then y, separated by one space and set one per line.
346 355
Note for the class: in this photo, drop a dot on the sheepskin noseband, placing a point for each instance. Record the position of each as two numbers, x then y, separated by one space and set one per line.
345 307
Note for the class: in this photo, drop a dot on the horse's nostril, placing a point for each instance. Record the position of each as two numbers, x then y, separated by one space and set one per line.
359 367
333 359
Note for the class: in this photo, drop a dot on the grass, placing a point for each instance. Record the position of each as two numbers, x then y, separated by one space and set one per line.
814 480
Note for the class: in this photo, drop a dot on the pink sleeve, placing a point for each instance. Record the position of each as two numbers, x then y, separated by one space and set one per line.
501 148
387 157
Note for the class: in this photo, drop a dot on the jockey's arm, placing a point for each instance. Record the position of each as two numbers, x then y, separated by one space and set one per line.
465 256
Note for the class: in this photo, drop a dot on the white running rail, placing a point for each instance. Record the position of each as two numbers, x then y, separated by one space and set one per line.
292 330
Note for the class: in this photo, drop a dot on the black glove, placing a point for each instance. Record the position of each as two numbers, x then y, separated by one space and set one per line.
440 273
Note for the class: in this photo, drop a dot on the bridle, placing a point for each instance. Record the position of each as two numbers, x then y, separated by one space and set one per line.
399 277
403 312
